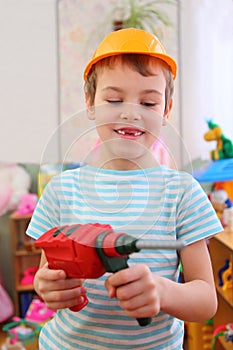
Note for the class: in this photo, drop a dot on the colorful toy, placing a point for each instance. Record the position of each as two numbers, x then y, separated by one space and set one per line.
9 346
22 331
220 272
26 330
227 215
224 148
27 204
28 277
226 185
227 278
48 171
14 182
38 312
90 250
225 330
220 172
220 201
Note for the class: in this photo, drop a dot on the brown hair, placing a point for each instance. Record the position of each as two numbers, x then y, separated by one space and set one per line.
139 62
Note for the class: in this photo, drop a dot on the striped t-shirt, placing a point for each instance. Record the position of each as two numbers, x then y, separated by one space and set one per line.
154 203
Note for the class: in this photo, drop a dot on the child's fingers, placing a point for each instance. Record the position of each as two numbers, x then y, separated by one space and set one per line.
56 280
128 275
66 298
136 290
111 290
59 275
52 275
116 282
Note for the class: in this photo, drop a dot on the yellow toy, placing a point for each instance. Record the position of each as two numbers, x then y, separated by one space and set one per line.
224 147
227 278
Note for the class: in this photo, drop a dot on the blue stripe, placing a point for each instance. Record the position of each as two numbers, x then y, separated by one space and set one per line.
153 203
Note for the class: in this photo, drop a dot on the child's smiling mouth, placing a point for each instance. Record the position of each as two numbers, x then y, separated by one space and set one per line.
129 132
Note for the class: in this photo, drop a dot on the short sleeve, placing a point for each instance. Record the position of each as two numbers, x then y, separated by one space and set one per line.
196 218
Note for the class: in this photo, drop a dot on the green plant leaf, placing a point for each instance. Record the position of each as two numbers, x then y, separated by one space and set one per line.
143 15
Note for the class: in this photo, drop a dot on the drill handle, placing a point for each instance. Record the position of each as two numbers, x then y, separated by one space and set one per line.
143 321
114 264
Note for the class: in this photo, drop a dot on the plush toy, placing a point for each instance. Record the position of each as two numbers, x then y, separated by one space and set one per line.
221 203
28 276
224 147
14 182
38 312
27 204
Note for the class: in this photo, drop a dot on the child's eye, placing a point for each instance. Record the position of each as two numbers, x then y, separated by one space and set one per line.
114 101
148 104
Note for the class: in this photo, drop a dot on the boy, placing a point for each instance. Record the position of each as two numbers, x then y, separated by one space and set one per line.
131 77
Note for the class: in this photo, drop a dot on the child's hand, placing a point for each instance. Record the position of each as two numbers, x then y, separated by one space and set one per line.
57 290
137 290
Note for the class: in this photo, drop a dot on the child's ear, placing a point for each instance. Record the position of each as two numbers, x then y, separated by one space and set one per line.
167 112
90 108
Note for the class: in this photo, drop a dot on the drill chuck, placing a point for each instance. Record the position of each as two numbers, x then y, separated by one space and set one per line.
126 244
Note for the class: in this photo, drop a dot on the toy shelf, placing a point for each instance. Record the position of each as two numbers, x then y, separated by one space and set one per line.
26 288
215 171
226 345
24 256
26 252
221 249
226 238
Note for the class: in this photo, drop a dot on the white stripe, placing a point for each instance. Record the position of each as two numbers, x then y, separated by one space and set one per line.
155 200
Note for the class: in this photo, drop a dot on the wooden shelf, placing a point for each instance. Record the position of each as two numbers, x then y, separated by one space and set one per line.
226 238
227 295
227 345
27 252
221 249
26 288
22 259
14 216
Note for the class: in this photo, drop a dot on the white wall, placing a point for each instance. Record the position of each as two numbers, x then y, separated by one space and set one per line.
29 94
206 81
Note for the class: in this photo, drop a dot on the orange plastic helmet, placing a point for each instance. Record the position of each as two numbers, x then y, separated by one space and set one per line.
131 40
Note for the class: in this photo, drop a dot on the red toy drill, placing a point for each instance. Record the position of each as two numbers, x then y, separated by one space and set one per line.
90 250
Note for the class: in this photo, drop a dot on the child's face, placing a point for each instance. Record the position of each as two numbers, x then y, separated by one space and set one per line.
129 113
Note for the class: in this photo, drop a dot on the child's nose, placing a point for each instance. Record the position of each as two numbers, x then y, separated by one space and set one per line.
130 112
